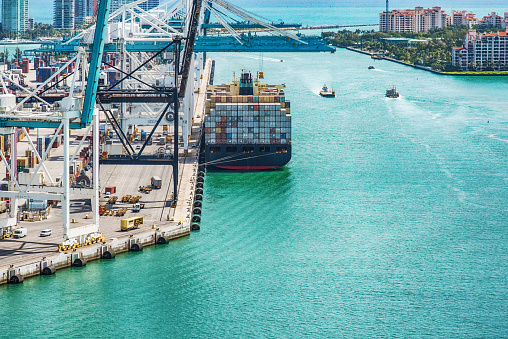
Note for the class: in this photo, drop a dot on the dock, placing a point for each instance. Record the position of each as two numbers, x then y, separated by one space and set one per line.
34 255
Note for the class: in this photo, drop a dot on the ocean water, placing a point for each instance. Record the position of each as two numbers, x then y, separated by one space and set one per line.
389 221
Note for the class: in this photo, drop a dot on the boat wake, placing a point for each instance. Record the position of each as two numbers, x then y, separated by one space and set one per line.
495 137
263 58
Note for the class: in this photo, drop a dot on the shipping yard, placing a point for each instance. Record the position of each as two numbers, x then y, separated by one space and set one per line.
102 143
32 253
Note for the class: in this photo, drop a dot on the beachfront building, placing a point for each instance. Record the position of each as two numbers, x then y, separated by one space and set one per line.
482 51
413 20
494 20
15 15
71 14
463 18
147 5
63 14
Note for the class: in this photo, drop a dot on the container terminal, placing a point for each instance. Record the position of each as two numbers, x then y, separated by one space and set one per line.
101 150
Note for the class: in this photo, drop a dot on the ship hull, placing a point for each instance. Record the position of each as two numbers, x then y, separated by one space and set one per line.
226 157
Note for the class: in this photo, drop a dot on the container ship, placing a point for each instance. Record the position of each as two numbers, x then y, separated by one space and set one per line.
247 125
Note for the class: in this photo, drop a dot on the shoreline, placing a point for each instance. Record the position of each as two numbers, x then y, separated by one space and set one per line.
423 68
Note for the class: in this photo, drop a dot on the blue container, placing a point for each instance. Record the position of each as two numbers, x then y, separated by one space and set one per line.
47 140
283 135
288 104
143 135
255 99
229 135
38 204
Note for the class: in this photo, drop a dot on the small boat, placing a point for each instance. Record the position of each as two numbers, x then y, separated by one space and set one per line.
371 67
392 92
325 92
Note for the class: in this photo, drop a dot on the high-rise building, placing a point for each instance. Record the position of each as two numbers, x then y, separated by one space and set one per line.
15 15
147 5
460 18
84 11
80 12
481 51
63 14
413 20
494 20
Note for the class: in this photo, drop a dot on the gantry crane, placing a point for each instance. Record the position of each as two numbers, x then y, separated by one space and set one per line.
178 36
75 111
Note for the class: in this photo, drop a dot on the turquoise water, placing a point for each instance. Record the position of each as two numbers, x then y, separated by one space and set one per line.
390 221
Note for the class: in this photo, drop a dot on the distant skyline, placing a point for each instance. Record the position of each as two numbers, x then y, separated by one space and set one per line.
42 10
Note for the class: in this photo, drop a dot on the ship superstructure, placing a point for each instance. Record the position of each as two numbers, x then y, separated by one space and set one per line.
247 125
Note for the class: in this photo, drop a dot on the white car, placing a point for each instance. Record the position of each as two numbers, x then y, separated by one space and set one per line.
45 233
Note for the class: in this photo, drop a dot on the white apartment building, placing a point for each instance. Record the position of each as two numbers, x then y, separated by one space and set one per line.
494 20
15 15
460 18
413 20
482 50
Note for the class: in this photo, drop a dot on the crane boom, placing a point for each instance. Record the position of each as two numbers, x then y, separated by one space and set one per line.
189 44
95 63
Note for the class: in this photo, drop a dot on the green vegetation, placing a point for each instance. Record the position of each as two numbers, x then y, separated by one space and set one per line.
39 30
436 53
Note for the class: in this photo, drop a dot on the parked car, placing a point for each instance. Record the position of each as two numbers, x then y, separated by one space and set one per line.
45 233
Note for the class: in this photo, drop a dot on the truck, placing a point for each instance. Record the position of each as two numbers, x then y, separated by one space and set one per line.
20 232
156 182
130 223
137 207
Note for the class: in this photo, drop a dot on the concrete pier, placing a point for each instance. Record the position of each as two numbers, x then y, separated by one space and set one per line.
29 256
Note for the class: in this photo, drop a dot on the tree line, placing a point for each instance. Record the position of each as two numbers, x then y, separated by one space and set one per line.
435 53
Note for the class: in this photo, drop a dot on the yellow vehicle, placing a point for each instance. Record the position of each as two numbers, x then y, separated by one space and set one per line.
130 223
112 200
134 200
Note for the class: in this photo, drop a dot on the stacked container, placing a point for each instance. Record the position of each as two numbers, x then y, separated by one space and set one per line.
26 65
44 73
248 123
254 119
21 163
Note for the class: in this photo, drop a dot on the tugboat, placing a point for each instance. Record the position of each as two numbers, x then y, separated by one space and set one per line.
371 67
325 92
392 92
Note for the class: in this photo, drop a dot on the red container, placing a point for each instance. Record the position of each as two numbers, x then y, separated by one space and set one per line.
249 99
229 98
217 99
111 189
223 119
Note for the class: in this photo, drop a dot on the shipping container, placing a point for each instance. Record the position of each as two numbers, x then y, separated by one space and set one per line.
110 189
